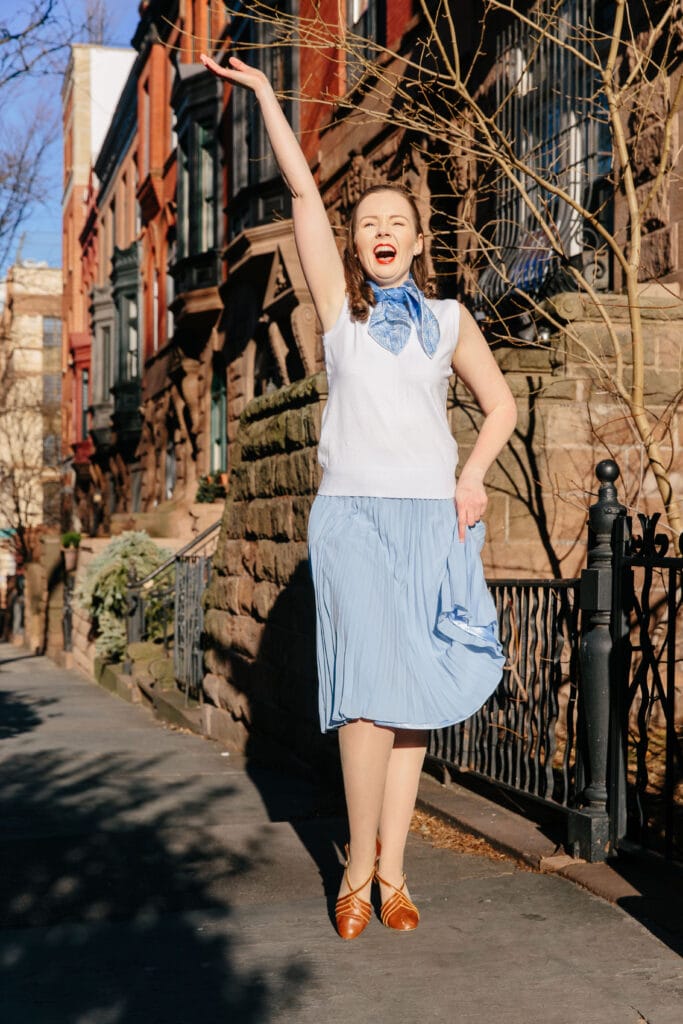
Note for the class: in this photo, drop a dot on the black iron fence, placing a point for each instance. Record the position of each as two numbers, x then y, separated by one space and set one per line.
585 719
193 570
167 605
648 790
525 735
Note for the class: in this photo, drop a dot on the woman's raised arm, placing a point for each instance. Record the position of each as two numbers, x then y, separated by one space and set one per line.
320 260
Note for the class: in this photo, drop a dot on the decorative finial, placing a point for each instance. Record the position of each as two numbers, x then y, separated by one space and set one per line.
607 471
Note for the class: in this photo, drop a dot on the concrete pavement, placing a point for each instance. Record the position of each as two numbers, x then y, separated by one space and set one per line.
149 876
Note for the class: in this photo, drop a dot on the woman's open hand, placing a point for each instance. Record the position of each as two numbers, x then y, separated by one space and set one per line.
239 73
470 501
315 242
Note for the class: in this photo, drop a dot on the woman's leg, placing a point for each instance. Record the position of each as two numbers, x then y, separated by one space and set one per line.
366 750
400 792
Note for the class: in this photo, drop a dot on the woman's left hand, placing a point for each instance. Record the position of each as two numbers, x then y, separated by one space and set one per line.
470 501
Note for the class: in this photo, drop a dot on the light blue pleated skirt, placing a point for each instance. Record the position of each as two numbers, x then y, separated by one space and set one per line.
406 627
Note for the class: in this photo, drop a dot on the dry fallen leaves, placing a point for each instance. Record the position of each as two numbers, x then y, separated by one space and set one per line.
446 836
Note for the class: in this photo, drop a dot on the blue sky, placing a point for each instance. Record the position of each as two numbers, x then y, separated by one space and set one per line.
41 233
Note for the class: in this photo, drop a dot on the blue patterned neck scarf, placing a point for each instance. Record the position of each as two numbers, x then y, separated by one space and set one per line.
396 311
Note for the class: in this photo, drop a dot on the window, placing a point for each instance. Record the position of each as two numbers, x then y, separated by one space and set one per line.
195 100
146 129
52 332
51 451
85 402
197 187
183 195
169 468
219 421
170 296
124 205
107 377
366 19
258 193
52 398
201 163
546 99
155 312
52 391
131 338
112 227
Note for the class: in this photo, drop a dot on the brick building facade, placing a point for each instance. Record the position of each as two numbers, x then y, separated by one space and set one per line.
30 412
222 315
91 87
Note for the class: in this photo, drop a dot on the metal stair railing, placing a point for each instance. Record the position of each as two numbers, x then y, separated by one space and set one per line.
158 596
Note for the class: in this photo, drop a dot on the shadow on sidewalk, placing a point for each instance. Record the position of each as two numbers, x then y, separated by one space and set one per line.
100 874
18 657
658 906
18 716
284 731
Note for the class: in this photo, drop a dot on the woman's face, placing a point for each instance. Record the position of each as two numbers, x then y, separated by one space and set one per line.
386 239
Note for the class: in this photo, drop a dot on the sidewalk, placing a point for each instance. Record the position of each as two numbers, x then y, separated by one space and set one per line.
148 876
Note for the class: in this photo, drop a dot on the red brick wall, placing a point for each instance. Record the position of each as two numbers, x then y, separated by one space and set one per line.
322 72
399 13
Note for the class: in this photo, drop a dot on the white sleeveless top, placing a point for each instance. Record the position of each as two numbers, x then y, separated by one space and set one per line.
384 429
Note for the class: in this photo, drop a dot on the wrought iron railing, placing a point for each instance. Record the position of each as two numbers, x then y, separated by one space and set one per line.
649 592
524 737
193 570
170 600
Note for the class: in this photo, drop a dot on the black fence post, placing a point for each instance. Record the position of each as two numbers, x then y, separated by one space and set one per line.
622 603
589 830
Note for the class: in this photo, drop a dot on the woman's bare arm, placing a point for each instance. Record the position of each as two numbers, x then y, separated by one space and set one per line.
474 363
318 253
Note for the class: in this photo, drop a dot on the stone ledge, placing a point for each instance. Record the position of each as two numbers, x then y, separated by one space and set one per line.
114 679
510 833
301 392
655 304
169 706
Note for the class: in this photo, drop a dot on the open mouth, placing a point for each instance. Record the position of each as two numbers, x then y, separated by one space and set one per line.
384 253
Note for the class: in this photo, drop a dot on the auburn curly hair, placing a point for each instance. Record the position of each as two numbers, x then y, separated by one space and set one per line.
358 290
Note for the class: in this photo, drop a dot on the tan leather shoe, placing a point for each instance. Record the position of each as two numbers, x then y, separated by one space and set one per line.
351 913
399 911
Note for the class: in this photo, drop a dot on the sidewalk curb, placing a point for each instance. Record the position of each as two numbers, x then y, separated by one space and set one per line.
510 833
644 886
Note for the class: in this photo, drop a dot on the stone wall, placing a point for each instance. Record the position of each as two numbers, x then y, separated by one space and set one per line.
260 615
543 483
83 654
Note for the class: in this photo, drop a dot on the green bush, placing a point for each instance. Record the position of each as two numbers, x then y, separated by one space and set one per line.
71 539
210 489
104 589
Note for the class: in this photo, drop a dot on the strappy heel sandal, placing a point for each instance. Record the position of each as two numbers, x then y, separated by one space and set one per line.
351 913
399 911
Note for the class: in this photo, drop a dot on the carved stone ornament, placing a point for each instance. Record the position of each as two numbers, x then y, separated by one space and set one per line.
305 330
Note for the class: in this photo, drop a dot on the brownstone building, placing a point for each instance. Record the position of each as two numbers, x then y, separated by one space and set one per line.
206 354
201 295
91 87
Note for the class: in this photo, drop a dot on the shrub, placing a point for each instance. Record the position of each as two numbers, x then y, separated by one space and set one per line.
104 590
210 489
71 539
